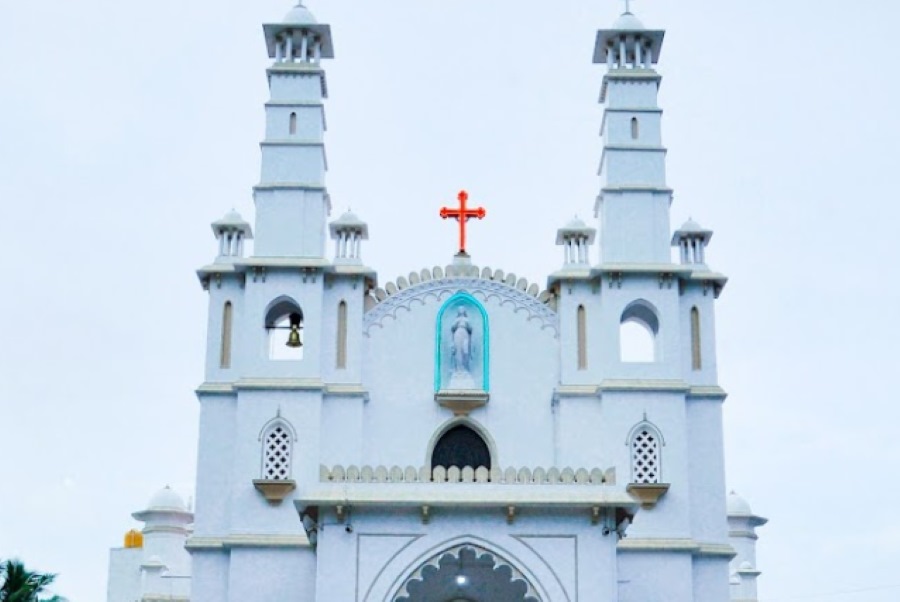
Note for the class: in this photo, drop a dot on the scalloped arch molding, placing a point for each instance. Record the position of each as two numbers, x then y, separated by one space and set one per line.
441 290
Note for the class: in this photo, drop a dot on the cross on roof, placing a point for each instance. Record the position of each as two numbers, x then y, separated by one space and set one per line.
462 215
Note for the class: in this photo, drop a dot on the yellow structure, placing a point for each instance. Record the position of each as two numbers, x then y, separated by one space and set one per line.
134 539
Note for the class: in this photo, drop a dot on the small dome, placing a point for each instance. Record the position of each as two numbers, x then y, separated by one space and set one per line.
628 22
746 566
166 499
300 15
691 226
233 216
348 218
738 506
576 223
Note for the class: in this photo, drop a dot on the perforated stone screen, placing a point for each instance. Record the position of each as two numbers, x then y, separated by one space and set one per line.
277 454
645 457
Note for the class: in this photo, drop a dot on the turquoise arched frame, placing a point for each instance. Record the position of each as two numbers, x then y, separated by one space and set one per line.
485 352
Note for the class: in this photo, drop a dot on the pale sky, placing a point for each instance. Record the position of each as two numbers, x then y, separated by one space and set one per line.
126 128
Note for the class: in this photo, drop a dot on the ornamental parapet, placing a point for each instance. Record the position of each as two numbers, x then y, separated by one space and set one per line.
468 474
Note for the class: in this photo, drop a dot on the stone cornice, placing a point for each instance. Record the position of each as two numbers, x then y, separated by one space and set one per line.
668 274
649 269
297 67
215 389
347 390
283 262
463 495
265 186
635 147
563 391
291 142
637 384
246 541
279 384
679 545
707 392
295 103
283 384
633 110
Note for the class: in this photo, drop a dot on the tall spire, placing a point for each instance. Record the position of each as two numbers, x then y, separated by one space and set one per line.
633 205
292 203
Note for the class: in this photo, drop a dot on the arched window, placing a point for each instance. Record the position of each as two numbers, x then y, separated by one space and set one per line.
284 324
637 333
635 128
277 451
696 356
292 128
225 351
646 464
461 446
582 338
342 335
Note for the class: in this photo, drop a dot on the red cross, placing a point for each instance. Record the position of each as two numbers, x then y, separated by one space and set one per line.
462 215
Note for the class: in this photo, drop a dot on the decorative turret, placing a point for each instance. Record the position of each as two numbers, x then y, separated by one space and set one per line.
742 524
576 238
153 564
292 203
348 232
691 239
628 44
633 205
299 37
231 231
166 515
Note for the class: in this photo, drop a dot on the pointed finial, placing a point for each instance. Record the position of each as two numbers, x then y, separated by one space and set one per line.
627 7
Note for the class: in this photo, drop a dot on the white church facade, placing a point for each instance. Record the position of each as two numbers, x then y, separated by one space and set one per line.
459 434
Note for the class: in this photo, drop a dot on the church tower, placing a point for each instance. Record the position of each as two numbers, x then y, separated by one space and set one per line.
460 434
279 345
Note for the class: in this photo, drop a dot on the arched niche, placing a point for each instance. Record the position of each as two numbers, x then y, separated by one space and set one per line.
462 345
462 422
461 447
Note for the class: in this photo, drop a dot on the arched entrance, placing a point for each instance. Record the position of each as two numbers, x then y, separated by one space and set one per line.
467 573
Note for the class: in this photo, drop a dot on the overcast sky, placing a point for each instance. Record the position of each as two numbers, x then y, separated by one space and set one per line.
127 127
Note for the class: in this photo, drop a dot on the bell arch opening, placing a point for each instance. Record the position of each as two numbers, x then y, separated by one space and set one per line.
467 573
284 330
461 446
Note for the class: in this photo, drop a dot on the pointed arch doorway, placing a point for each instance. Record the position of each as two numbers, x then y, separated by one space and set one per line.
467 573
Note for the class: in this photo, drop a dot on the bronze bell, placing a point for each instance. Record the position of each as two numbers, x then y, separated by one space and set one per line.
294 336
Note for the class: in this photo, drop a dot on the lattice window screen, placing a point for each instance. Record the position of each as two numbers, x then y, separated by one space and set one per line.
645 456
277 454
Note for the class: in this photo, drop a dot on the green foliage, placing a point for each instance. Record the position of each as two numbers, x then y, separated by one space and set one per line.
17 584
